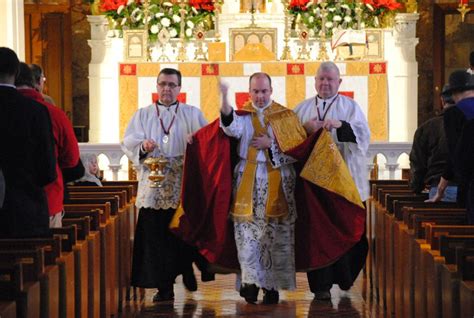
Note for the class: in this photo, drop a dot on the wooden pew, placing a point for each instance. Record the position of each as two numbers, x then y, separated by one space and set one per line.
52 282
77 230
390 247
118 219
132 221
427 257
13 287
70 250
376 234
465 264
450 275
126 208
388 230
410 254
8 309
107 249
92 235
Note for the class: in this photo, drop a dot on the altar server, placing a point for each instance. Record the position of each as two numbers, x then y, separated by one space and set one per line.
161 129
346 122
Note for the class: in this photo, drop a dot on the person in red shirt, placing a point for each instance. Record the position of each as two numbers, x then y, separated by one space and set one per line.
66 146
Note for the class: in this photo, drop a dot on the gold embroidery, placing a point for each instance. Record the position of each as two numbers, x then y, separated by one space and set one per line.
285 124
276 206
326 168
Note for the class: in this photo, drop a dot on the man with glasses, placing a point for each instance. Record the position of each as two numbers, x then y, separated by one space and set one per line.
161 129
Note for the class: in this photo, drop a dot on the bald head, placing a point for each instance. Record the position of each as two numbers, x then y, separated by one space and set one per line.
260 89
260 75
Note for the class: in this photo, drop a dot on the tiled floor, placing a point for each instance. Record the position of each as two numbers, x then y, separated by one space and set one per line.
220 299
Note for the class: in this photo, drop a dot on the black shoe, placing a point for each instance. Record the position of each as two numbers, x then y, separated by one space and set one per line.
270 297
163 296
189 280
322 295
249 292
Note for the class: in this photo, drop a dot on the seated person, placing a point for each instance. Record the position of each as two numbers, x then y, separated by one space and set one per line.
91 174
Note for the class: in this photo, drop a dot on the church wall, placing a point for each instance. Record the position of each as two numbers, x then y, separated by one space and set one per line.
459 42
81 56
424 56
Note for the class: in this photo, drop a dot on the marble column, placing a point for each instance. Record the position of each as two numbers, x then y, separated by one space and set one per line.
103 83
12 26
403 78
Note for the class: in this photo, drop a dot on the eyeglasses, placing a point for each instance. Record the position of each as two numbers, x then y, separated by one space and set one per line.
170 85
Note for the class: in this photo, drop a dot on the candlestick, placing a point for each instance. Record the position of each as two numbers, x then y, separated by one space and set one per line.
182 50
322 54
217 11
411 6
286 54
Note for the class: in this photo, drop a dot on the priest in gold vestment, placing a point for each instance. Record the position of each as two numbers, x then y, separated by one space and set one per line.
238 198
263 208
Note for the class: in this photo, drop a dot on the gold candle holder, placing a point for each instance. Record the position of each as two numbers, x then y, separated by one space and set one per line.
182 56
411 6
323 54
199 54
163 38
156 166
286 54
358 11
217 11
303 53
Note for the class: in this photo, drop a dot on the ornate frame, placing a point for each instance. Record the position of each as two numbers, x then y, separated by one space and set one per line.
135 45
247 33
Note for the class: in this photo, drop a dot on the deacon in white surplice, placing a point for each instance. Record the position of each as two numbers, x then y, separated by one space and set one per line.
343 117
162 128
263 208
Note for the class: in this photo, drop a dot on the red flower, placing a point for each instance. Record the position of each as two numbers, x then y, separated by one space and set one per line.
205 5
298 5
384 4
112 5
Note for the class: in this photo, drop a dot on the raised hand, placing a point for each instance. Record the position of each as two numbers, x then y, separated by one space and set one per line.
226 109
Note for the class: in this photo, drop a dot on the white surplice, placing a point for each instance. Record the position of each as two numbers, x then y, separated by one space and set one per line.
145 124
265 248
354 154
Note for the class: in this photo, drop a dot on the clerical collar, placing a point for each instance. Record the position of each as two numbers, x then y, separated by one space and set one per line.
326 100
159 103
259 110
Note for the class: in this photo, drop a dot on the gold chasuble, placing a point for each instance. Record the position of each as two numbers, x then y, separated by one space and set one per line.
288 134
326 168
